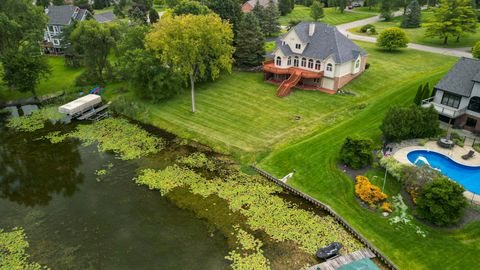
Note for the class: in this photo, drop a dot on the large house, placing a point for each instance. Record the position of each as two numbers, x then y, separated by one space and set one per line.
314 56
58 18
250 5
457 96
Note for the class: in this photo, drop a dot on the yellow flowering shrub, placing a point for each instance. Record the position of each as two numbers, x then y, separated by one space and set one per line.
367 192
386 207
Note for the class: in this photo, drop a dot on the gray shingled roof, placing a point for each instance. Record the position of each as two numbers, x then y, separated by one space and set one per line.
104 17
61 15
461 78
326 41
264 3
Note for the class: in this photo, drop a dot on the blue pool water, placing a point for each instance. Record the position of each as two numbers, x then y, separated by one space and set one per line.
468 177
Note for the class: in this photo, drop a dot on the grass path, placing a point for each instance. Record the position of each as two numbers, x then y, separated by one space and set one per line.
314 158
332 16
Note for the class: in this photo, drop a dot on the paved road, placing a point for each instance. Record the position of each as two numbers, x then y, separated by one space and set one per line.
457 52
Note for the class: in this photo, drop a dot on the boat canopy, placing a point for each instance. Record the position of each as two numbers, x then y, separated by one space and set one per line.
80 104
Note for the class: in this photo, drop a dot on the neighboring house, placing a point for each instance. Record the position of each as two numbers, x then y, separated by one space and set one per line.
105 17
58 18
250 5
457 96
314 56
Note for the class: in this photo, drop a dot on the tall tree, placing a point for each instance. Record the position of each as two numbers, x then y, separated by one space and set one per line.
316 11
192 44
85 4
190 7
285 6
229 10
386 9
342 4
95 40
452 18
249 42
412 17
270 19
153 16
42 3
22 26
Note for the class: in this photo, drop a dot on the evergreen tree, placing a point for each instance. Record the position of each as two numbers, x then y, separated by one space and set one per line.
58 2
342 5
476 50
229 10
426 92
413 15
285 6
316 11
118 11
153 16
43 3
249 42
386 10
418 96
137 15
270 19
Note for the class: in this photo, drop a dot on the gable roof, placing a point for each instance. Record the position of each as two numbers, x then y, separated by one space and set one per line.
326 41
461 77
62 15
264 3
104 17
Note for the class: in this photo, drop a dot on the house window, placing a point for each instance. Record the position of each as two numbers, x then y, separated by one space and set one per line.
451 100
310 63
56 41
295 61
50 28
357 63
304 62
474 104
298 46
279 61
471 122
317 65
329 67
316 80
289 61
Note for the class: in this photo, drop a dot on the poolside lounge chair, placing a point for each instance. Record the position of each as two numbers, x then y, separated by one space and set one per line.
469 155
329 251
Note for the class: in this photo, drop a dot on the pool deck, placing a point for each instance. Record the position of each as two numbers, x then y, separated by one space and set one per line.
455 154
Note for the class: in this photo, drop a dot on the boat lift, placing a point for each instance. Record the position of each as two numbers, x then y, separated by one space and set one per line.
88 107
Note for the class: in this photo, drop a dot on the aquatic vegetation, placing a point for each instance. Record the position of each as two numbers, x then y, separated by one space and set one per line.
125 139
55 137
12 251
35 121
197 160
249 254
255 198
101 172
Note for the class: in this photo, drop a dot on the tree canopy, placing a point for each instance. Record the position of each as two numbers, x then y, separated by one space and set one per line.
192 45
249 42
412 17
316 10
392 38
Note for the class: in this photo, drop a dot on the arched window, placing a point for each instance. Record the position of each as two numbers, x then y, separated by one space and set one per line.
289 61
304 62
474 104
310 63
279 61
329 67
318 65
357 63
295 61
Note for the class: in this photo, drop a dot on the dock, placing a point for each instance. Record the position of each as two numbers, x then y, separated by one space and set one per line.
337 262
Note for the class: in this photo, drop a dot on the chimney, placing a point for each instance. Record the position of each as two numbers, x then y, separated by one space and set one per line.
311 29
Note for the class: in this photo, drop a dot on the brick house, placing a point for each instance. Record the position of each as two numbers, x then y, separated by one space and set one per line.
314 56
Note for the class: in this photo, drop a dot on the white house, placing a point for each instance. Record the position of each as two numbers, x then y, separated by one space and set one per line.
314 56
457 96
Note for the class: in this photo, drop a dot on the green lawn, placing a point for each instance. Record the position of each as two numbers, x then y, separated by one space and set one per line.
61 79
332 16
417 35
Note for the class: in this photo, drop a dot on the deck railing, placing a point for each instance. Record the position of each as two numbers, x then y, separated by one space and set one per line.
444 109
328 209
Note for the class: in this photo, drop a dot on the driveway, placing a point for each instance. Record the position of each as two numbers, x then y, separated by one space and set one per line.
343 28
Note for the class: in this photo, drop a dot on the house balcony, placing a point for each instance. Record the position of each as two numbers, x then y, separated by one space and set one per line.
444 109
269 66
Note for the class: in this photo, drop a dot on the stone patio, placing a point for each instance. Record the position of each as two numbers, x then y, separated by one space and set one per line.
455 154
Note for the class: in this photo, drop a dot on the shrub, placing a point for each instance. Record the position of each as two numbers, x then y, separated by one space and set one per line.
403 123
392 38
367 192
356 153
367 66
386 207
476 50
442 202
368 28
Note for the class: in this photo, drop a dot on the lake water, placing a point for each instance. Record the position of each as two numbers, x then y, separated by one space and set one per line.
75 219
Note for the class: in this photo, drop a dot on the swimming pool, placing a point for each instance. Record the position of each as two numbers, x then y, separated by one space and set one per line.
467 176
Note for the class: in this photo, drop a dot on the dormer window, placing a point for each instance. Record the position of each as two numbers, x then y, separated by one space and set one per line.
298 46
279 61
329 67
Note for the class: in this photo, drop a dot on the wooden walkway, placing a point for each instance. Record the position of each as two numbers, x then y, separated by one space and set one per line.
336 216
343 260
